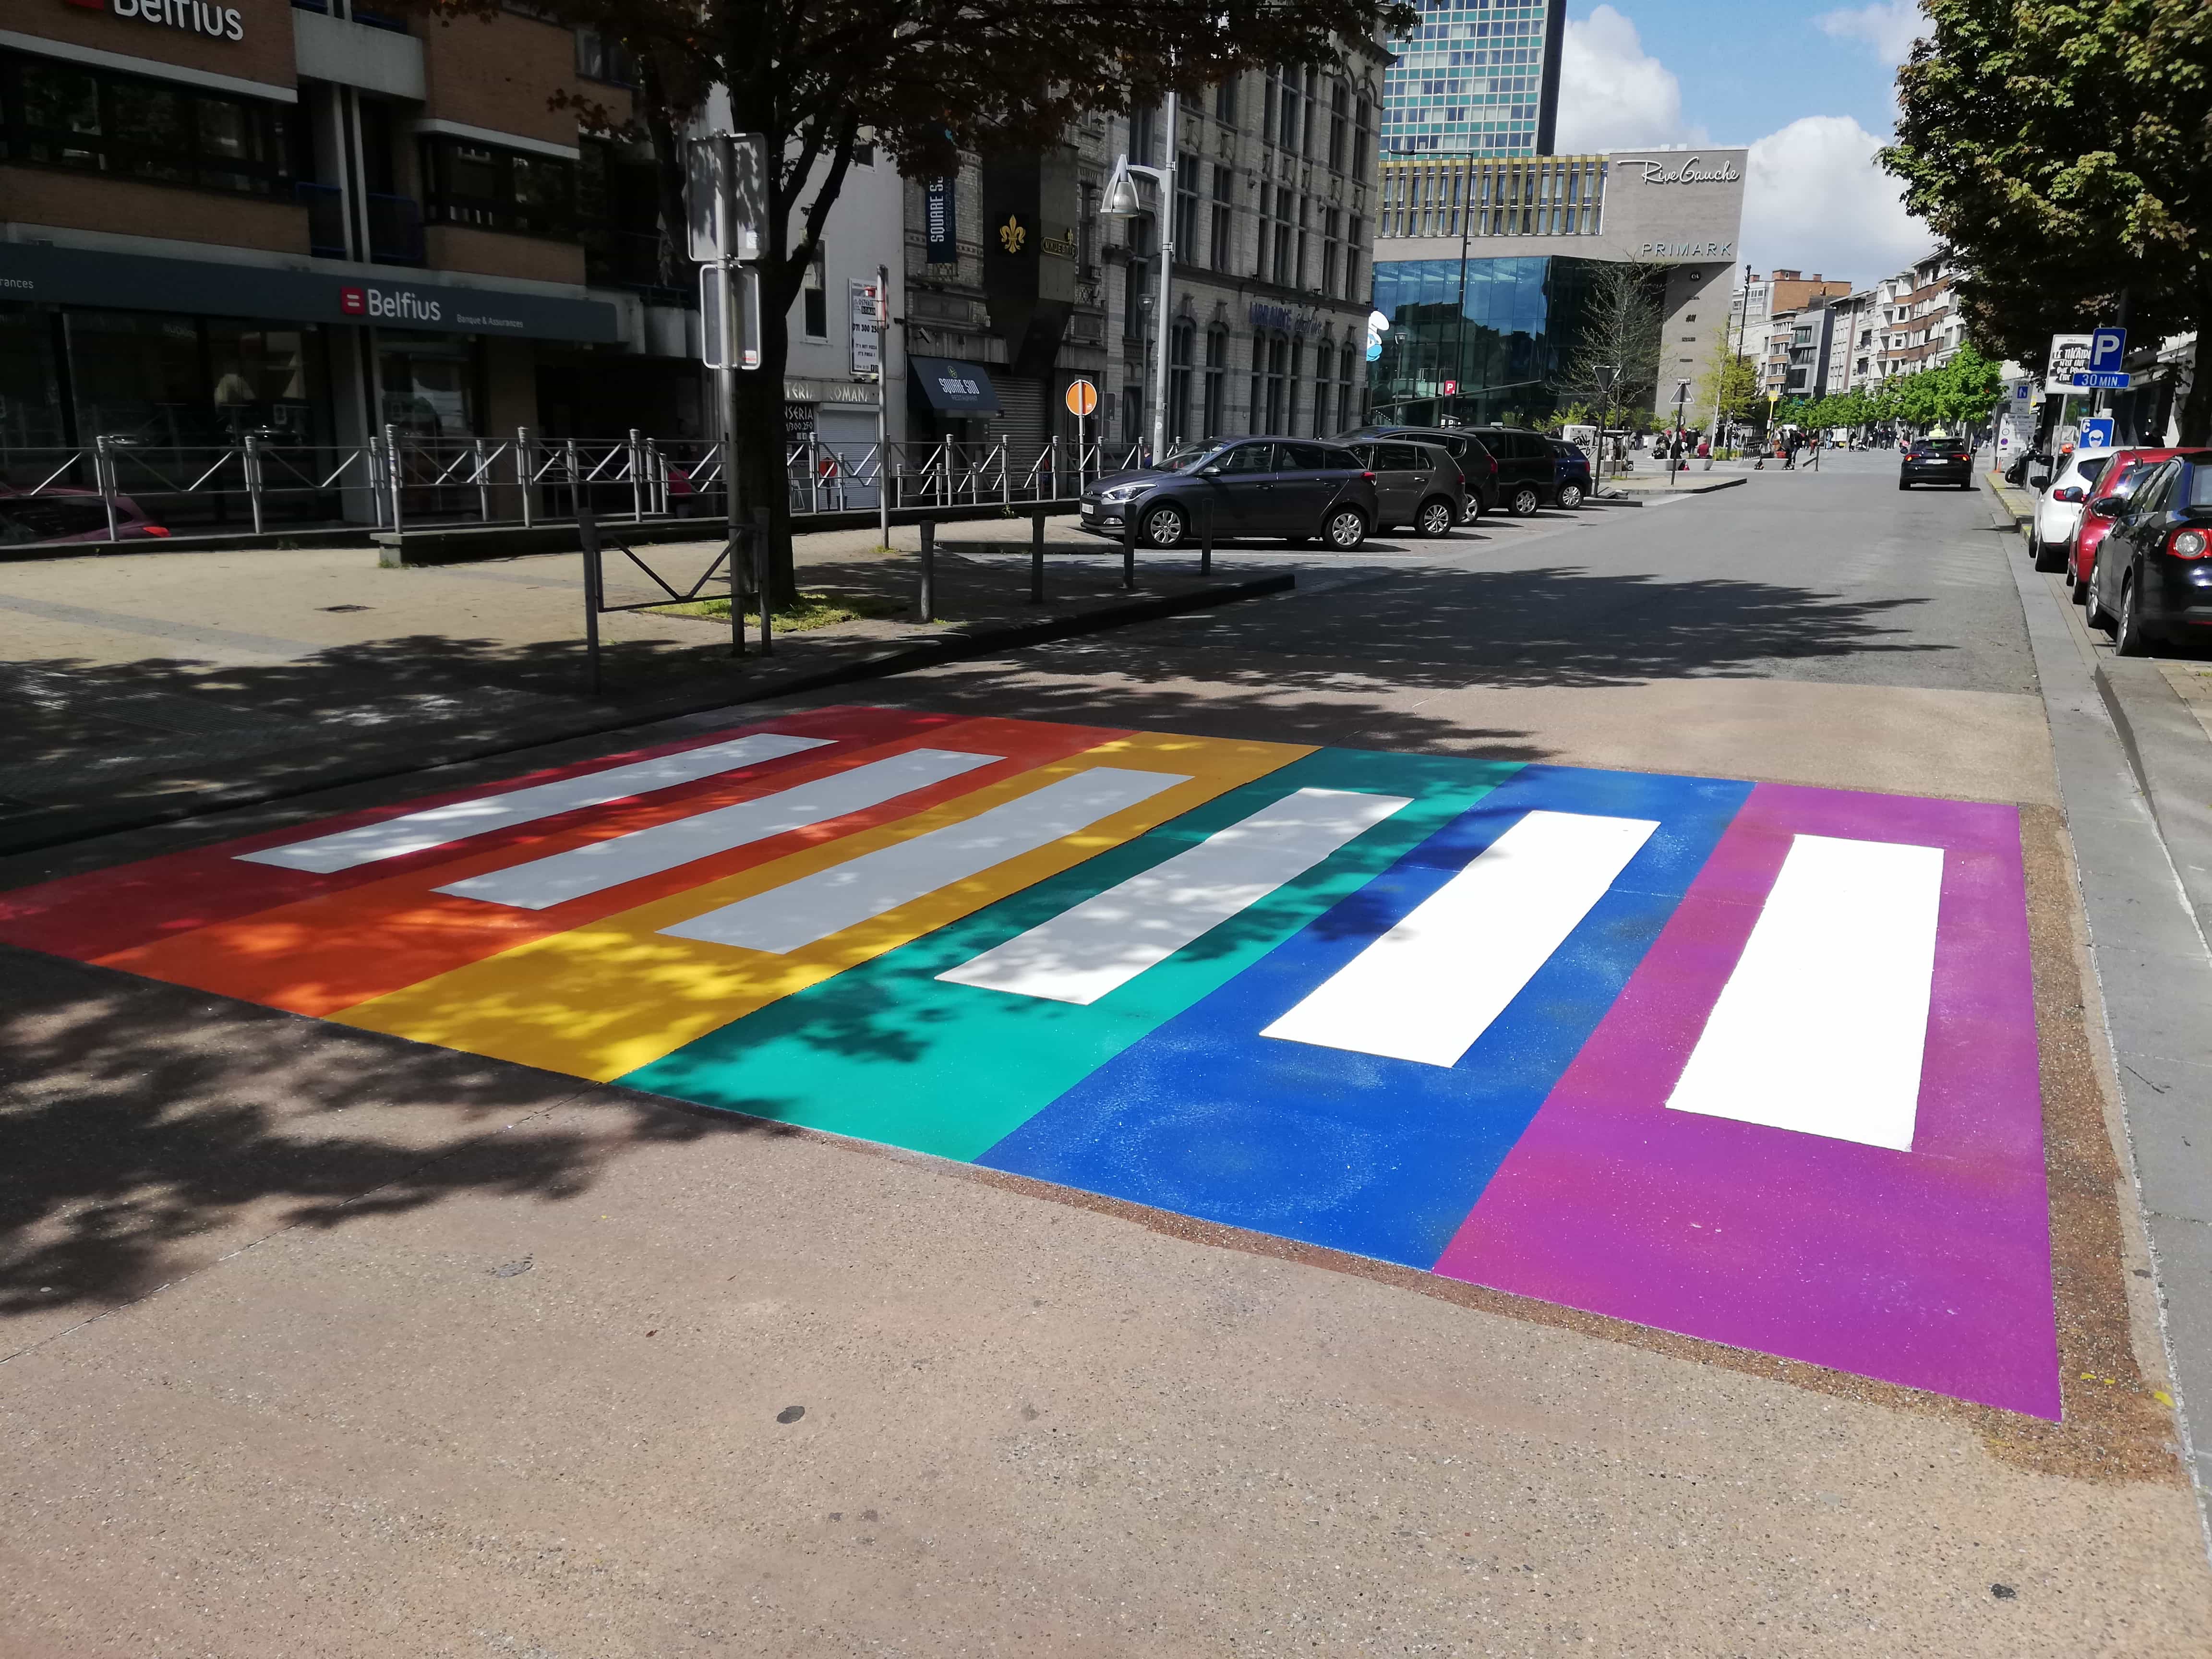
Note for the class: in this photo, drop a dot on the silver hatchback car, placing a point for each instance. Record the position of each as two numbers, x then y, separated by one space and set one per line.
1416 484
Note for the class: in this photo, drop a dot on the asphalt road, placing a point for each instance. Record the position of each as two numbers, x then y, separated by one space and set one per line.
314 1339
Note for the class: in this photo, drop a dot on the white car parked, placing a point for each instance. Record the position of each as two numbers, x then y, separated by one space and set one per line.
2059 510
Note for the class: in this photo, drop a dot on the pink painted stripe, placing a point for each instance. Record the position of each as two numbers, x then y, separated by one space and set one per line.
1929 1268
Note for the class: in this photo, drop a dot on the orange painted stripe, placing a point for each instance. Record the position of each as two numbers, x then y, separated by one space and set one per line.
320 955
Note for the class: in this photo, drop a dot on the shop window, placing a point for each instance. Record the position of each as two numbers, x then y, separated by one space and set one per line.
65 115
30 399
472 184
428 383
166 381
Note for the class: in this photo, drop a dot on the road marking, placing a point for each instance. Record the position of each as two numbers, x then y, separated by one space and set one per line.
543 883
789 918
480 815
1430 987
1821 1027
1106 941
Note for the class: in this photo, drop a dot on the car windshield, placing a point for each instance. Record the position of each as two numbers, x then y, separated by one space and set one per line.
2200 486
1936 446
1183 457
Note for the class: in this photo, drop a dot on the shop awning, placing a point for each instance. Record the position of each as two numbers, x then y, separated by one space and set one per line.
951 386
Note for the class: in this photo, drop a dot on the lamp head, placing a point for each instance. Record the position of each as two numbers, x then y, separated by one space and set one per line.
1121 200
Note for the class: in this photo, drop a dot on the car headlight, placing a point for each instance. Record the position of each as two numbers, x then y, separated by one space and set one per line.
1118 493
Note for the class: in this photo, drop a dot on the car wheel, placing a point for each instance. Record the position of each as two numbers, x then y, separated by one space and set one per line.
2048 559
1346 529
1474 510
1901 484
2083 581
1526 500
1161 526
2127 632
1436 517
1571 494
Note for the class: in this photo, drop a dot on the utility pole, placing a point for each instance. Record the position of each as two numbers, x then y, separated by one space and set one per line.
1121 201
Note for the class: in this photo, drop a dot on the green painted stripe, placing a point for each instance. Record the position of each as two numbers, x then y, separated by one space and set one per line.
884 1051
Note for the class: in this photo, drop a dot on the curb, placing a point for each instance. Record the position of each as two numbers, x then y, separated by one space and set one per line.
65 825
1645 497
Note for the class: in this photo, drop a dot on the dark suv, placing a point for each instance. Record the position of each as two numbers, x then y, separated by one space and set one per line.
1476 464
2153 577
1294 488
1528 475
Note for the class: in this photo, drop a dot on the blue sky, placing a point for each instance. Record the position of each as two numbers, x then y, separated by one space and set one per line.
1808 90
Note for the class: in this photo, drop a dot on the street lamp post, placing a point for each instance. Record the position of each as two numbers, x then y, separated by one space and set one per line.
1122 200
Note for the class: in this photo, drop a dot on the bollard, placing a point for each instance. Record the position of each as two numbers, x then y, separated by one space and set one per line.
1036 558
637 458
928 570
103 474
482 468
522 471
1129 547
738 553
576 498
587 537
761 577
391 472
253 478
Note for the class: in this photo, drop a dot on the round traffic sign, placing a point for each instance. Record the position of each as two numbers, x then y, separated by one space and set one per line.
1082 398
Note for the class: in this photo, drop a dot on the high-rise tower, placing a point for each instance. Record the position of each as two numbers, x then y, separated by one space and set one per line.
1477 77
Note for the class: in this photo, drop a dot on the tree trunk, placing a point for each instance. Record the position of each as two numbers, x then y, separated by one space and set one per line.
676 270
761 481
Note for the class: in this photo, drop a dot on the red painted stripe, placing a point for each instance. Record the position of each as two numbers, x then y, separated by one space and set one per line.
96 914
324 953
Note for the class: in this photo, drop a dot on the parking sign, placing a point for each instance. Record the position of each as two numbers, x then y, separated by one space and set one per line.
2108 348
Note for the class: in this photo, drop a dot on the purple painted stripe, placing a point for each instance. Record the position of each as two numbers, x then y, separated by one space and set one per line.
1929 1268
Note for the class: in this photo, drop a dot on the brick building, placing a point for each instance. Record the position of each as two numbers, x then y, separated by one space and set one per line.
312 219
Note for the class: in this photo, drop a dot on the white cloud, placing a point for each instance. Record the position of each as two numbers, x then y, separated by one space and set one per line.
1888 27
1816 199
1612 94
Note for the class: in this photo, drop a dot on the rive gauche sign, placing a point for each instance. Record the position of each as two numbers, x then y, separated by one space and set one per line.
1689 170
216 22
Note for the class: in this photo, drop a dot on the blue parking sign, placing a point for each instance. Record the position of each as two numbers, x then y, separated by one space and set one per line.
2097 432
2108 347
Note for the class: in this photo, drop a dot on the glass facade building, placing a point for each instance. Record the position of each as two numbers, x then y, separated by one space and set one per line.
1501 338
1477 77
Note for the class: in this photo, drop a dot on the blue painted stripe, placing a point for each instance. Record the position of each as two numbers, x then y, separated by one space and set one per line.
1382 1158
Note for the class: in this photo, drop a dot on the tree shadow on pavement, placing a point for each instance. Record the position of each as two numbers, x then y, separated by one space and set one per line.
151 1129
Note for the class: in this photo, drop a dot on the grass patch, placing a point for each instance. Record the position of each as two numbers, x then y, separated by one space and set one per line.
814 609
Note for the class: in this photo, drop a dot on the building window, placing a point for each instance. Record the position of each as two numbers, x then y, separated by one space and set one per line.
1278 348
1134 278
1222 245
601 58
1225 101
1274 96
1295 373
1180 341
1141 128
472 184
1323 357
1340 135
1289 112
1284 234
814 299
1332 247
1267 231
1186 210
1354 239
1299 269
1363 138
65 116
1348 412
1217 381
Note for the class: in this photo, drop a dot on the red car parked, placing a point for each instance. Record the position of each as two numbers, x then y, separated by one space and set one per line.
68 516
2122 473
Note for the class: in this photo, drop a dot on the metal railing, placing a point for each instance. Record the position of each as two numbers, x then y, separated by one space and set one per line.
120 488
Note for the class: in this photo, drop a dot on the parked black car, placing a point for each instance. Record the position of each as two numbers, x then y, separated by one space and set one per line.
1294 488
2153 577
1416 484
1527 475
1936 461
1477 465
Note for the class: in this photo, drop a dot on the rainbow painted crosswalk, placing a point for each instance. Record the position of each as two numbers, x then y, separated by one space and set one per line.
1749 1062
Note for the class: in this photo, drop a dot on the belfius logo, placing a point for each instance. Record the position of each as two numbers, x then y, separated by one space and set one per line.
216 22
390 305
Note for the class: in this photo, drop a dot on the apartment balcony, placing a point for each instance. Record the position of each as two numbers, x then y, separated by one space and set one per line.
326 205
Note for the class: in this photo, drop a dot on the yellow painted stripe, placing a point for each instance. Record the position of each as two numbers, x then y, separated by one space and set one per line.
615 994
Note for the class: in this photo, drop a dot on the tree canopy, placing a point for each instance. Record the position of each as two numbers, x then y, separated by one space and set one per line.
2063 151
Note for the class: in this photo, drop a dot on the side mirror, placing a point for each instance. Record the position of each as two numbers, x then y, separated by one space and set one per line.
2109 507
2040 481
1209 472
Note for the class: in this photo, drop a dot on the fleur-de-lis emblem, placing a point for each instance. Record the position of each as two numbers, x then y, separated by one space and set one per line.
1014 234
